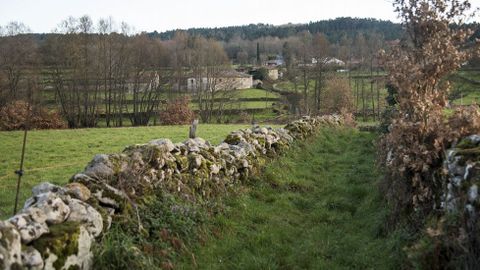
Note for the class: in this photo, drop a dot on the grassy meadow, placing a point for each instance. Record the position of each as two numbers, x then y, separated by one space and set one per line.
55 155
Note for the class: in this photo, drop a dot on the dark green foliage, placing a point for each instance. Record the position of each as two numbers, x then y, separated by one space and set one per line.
390 110
178 218
333 29
259 74
119 250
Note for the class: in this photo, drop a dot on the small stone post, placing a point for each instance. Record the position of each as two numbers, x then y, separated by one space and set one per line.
193 129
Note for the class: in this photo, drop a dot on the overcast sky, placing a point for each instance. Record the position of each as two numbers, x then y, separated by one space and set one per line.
149 15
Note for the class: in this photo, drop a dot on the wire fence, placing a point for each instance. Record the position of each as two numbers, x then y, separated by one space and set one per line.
8 189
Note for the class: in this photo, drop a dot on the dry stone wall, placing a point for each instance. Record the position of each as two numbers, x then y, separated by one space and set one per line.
58 224
451 238
457 233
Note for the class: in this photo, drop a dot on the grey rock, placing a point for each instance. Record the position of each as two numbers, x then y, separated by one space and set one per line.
47 187
168 144
31 224
32 259
84 257
10 247
196 161
214 169
474 138
100 167
473 193
237 152
264 130
55 209
85 214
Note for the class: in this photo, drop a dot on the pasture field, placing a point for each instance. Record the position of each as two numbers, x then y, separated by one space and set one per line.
55 155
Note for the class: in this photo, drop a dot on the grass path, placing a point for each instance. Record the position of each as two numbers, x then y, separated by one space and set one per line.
318 208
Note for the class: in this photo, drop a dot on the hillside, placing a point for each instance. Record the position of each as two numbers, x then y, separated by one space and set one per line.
334 29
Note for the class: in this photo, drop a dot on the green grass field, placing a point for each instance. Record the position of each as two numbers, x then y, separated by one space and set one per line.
55 155
241 105
255 93
316 208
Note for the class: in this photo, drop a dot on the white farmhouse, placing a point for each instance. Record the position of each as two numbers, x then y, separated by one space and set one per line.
224 80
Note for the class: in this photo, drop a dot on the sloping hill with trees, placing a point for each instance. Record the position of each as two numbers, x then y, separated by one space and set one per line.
334 29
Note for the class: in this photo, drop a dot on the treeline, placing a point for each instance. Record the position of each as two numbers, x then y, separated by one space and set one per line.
334 30
100 71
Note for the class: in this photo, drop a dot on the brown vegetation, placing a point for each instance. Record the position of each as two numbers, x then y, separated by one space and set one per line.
177 112
337 96
413 152
20 114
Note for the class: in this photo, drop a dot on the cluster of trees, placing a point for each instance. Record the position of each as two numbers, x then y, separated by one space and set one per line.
101 70
334 29
204 61
309 79
351 49
98 70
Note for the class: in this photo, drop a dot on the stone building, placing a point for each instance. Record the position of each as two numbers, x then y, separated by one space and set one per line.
273 74
223 80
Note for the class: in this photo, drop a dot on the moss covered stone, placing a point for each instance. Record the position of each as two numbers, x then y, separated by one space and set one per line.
62 241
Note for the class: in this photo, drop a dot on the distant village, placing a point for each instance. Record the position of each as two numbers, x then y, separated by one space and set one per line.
244 77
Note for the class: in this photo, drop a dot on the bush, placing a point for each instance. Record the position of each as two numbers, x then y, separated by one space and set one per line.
337 96
412 150
14 116
177 112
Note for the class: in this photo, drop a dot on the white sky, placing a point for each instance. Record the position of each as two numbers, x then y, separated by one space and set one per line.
149 15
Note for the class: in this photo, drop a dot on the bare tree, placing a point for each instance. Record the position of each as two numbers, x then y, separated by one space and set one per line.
17 62
146 85
320 50
307 60
73 70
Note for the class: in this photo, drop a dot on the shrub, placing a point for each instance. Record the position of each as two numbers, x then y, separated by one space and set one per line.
413 150
14 116
337 96
177 112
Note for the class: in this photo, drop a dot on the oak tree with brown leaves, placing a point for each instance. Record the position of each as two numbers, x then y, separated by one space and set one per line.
436 45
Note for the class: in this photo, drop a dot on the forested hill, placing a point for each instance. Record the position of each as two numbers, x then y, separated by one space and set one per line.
334 29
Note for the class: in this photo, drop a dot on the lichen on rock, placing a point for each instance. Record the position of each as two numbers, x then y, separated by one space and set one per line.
10 247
